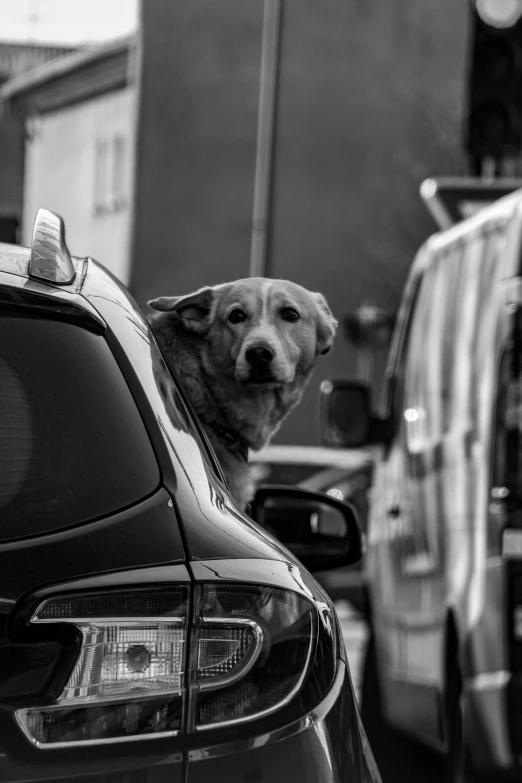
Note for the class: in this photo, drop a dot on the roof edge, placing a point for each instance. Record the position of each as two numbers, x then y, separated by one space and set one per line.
63 65
31 43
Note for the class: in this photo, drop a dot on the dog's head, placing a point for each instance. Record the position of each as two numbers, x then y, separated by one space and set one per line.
256 332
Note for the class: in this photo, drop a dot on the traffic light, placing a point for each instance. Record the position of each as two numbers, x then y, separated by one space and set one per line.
494 125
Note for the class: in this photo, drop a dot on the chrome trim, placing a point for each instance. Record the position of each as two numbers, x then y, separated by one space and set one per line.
279 705
104 620
513 289
488 681
512 544
50 259
241 671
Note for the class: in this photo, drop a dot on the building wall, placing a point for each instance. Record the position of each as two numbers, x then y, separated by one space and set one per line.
80 164
371 103
16 59
196 144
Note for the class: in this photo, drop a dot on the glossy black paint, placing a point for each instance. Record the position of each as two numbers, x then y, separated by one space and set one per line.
328 746
188 531
146 534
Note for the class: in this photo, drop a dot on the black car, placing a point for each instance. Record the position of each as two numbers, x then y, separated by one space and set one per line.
149 630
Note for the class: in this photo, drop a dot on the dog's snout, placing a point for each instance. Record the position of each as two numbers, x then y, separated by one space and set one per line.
259 356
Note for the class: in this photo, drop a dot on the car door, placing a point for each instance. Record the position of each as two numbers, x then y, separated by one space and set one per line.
389 521
429 362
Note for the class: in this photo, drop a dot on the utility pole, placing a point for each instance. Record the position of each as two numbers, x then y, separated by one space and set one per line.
262 218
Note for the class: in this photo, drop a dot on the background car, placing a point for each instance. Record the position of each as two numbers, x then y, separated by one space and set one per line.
346 474
149 630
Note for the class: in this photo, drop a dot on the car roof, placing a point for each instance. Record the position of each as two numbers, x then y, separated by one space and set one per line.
14 269
14 260
314 455
47 265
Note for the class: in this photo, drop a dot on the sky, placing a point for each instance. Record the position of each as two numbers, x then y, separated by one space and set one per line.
67 21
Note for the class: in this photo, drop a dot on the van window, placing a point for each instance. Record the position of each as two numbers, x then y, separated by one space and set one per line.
421 400
73 446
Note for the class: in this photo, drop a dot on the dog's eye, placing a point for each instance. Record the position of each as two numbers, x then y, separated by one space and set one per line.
289 314
236 316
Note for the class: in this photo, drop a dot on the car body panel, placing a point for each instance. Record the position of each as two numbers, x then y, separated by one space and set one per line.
95 547
159 767
188 532
274 573
320 747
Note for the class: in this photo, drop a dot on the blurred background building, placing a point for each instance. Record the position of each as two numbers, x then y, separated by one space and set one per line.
15 60
150 151
80 118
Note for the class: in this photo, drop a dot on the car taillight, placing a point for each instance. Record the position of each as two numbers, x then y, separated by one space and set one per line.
253 645
128 680
145 670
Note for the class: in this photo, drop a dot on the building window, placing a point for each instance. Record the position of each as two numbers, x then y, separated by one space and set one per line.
110 184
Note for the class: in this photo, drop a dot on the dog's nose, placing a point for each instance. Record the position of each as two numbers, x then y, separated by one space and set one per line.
259 357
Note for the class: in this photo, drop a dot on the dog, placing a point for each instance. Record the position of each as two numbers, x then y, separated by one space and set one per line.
244 352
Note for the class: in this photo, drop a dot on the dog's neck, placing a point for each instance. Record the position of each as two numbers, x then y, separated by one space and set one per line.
230 422
245 422
233 441
255 416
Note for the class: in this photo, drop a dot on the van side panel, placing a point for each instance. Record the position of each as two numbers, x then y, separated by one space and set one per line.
427 543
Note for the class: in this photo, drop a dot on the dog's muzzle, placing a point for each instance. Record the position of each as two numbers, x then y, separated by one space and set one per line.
258 366
261 364
259 358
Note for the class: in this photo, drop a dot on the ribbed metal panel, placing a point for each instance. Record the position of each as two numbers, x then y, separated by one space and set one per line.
16 59
84 79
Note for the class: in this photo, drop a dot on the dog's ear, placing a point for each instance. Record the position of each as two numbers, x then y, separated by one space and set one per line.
196 311
326 325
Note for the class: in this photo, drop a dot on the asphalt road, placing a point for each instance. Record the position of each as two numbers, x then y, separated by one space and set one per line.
400 760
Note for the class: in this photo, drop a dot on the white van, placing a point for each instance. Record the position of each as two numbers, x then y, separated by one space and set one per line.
444 558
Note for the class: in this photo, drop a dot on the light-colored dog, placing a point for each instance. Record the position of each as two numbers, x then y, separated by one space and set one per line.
244 352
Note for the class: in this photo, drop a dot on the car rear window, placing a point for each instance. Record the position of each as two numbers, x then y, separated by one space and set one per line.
73 446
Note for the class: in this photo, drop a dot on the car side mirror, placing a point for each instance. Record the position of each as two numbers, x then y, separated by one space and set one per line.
346 417
320 530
